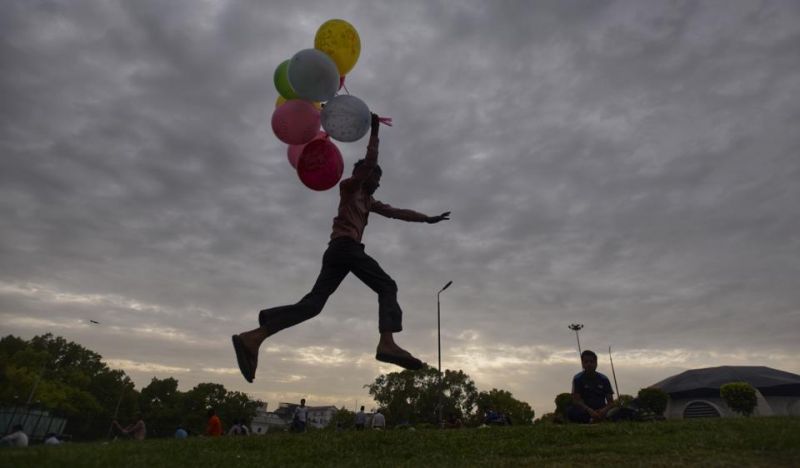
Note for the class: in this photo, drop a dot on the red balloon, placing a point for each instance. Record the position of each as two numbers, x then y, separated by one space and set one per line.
293 152
296 122
320 165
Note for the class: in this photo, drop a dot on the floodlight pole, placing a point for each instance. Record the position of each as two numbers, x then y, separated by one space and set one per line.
439 343
576 327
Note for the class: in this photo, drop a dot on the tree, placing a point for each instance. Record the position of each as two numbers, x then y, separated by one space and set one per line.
413 396
343 418
66 379
740 397
229 406
162 403
504 402
71 381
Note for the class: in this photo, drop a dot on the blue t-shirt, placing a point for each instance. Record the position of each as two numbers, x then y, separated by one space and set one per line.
593 390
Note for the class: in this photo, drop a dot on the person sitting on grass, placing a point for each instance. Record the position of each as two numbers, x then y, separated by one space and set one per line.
52 439
345 254
17 437
137 430
214 426
592 395
493 418
239 428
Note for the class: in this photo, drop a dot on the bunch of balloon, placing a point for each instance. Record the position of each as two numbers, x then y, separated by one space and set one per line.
304 82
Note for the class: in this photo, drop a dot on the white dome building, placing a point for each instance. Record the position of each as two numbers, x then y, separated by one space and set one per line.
695 393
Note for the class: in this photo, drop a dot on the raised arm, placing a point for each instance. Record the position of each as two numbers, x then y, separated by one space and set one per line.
363 171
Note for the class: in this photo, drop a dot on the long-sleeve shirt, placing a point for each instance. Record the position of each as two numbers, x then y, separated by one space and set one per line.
355 203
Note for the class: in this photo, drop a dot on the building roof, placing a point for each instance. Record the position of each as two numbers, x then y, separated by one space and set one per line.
706 382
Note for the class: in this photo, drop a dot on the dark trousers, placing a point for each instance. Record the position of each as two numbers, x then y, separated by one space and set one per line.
578 414
342 256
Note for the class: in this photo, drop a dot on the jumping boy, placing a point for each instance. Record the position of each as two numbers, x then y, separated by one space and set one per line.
345 254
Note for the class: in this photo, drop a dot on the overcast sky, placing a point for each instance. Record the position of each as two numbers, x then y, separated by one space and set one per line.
625 165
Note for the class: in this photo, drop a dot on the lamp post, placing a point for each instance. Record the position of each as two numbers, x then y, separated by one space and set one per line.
439 343
576 327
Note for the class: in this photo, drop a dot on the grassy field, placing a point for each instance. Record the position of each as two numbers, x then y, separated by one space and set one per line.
729 442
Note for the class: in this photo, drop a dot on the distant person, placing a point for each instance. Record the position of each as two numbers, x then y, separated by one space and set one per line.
180 433
51 439
592 395
361 420
137 430
17 437
453 422
345 254
378 421
214 425
300 417
239 428
492 417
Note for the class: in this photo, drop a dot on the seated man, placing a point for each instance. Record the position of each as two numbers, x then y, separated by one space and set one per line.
592 396
137 430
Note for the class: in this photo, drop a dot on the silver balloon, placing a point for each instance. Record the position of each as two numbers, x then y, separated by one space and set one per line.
346 118
313 75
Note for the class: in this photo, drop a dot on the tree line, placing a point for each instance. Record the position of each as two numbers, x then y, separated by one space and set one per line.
414 397
71 381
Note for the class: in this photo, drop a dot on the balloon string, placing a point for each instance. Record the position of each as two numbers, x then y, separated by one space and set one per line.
345 89
385 120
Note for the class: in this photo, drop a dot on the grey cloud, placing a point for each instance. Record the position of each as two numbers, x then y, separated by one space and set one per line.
630 168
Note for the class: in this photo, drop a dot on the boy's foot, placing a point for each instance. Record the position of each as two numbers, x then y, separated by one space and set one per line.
246 359
400 358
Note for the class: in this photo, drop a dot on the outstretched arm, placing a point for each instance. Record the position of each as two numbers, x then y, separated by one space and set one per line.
406 215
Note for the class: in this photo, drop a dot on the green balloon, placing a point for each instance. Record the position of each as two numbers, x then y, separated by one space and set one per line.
281 80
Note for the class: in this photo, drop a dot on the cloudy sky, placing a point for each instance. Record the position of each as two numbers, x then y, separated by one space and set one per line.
630 167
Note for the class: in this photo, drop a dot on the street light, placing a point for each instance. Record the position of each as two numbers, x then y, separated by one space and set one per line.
576 327
439 341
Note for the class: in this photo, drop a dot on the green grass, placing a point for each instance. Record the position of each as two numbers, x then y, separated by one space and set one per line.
729 442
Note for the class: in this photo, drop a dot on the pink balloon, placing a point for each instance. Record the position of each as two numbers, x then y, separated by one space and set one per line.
293 152
320 165
296 122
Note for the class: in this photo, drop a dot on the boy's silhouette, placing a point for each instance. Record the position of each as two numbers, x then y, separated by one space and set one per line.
345 254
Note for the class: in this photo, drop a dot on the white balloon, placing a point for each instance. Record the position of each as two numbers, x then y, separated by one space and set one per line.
346 118
313 75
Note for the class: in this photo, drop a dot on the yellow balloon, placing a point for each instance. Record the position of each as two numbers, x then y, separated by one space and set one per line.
339 39
282 100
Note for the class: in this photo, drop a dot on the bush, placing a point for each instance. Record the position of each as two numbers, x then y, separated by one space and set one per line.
548 418
653 399
563 400
740 397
